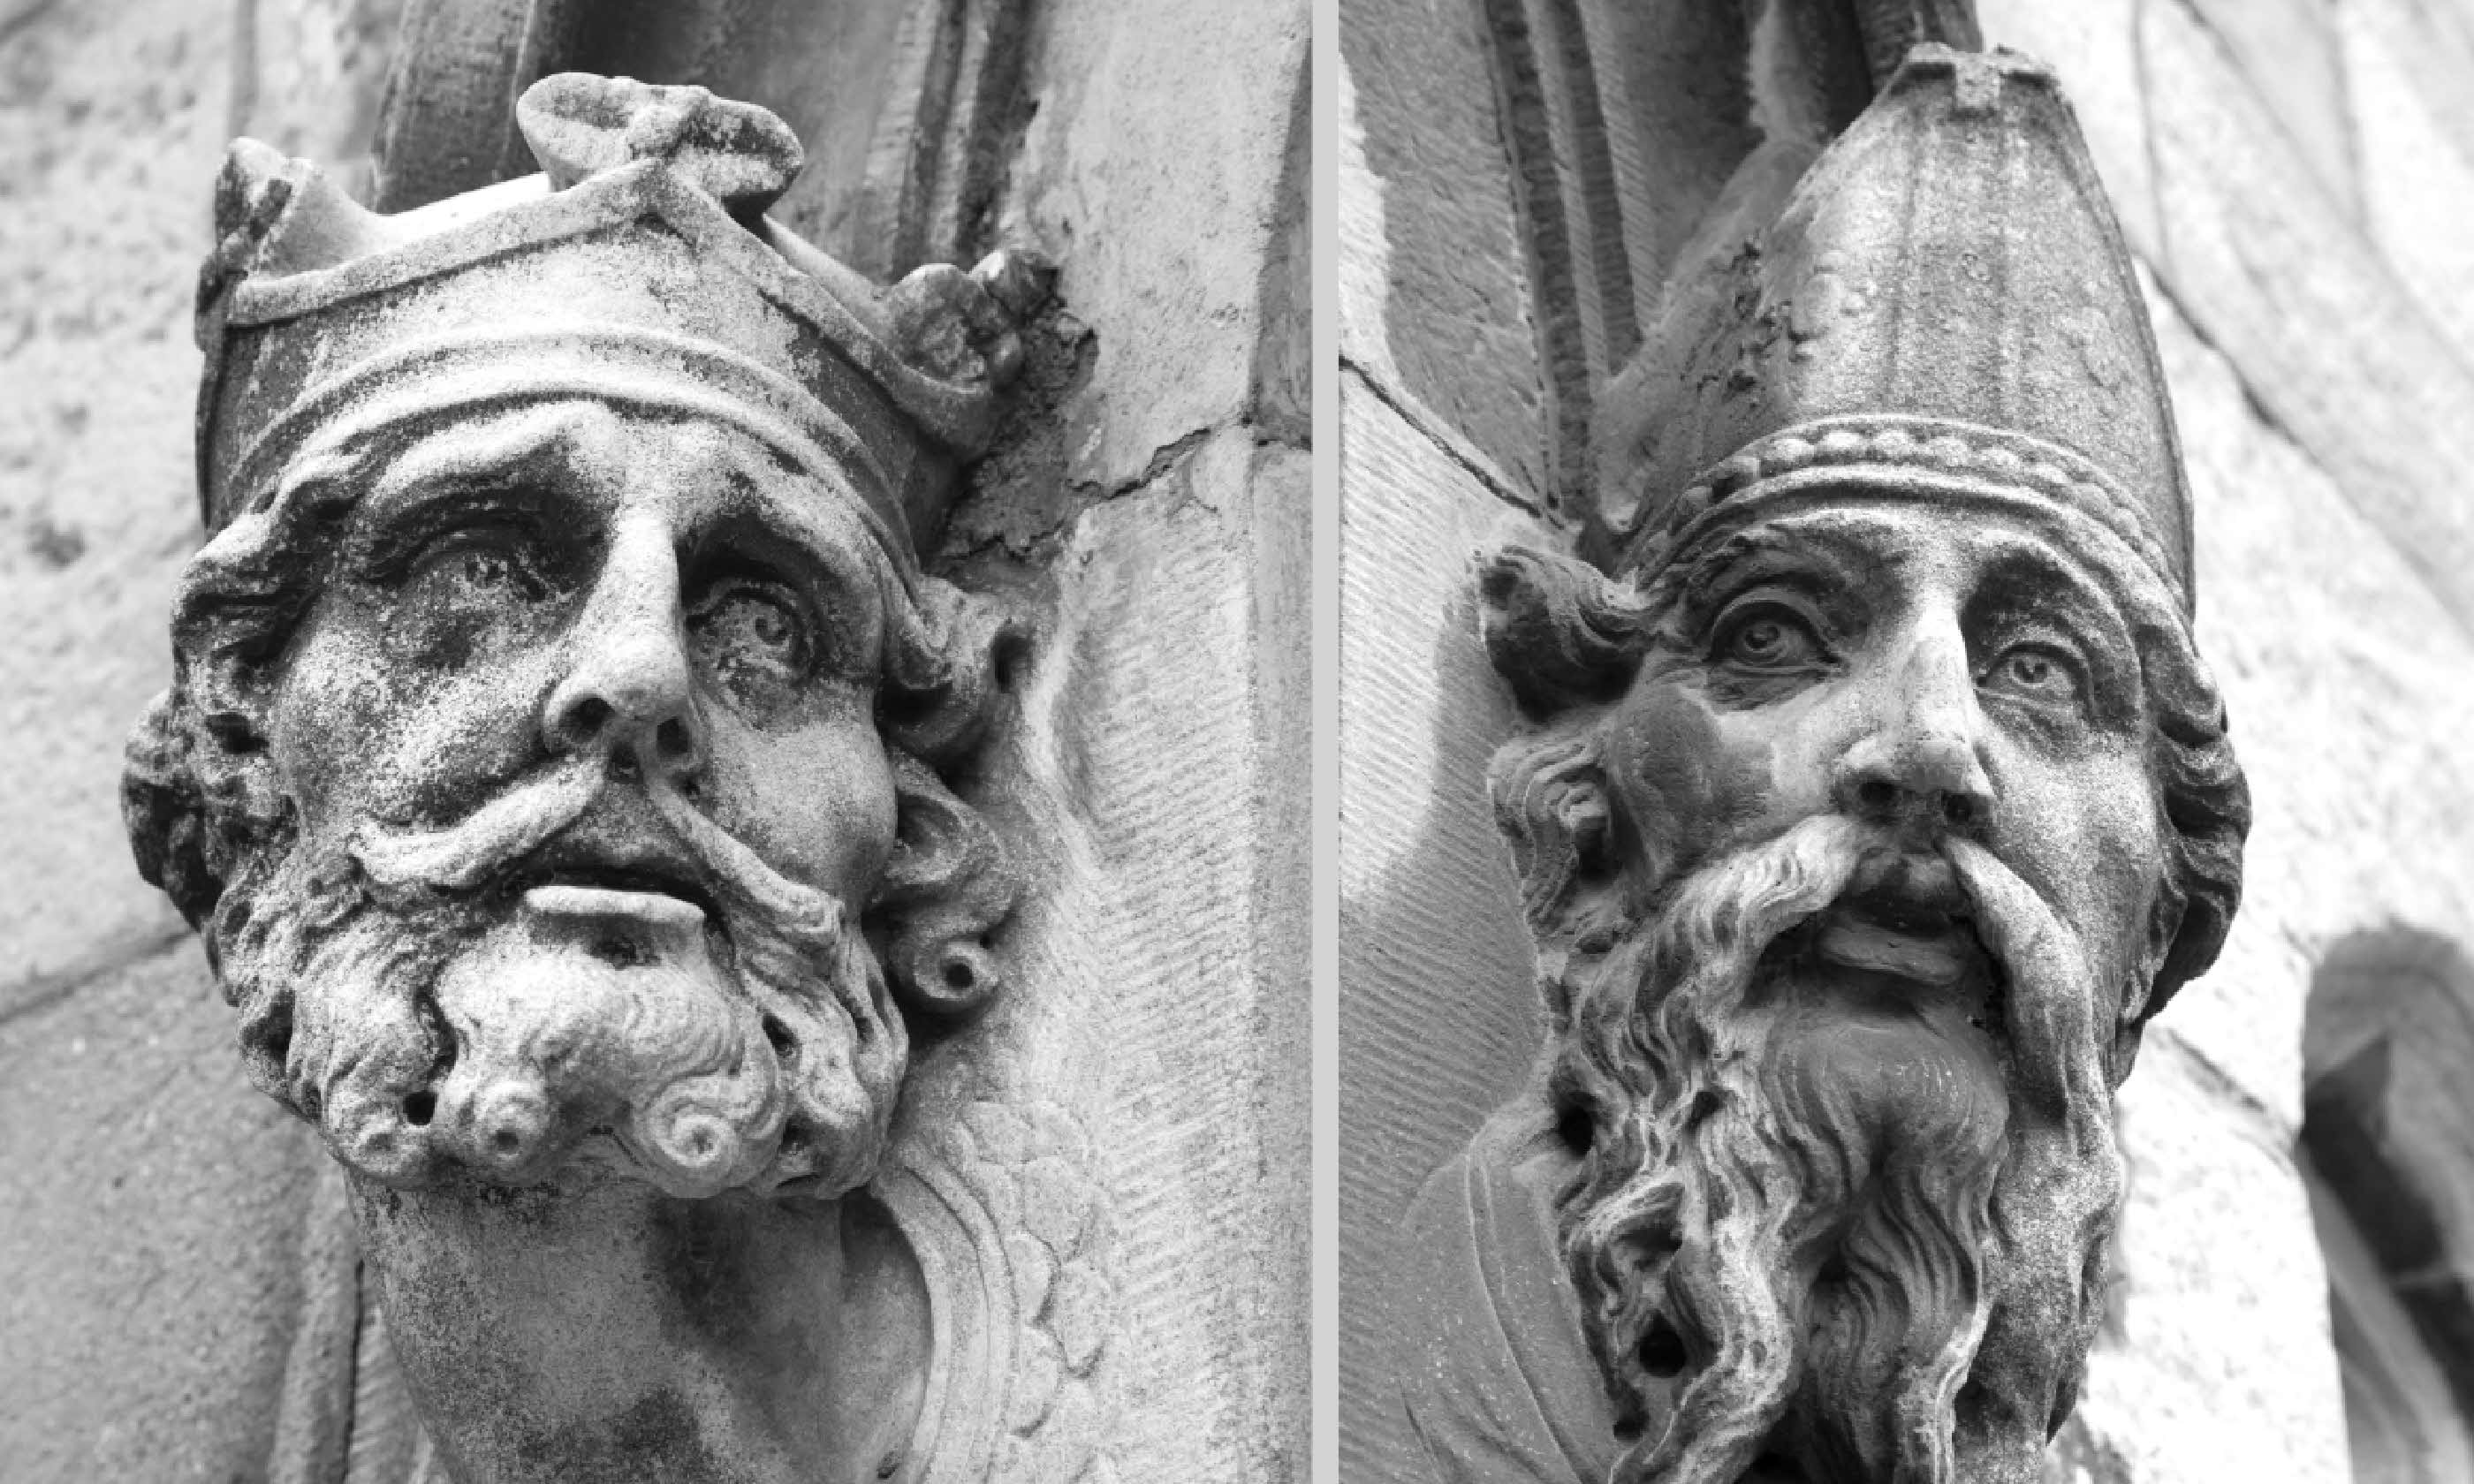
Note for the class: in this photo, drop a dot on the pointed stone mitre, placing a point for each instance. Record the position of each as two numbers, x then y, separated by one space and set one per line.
638 269
1943 310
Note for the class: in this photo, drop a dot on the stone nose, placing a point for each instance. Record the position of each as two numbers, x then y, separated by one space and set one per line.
629 690
1920 766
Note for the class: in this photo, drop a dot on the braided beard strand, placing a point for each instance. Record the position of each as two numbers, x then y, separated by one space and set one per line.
1774 1226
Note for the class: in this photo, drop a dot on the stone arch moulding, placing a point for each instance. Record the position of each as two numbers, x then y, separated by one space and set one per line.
2388 1073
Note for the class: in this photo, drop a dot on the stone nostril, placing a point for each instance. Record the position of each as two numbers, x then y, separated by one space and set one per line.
673 740
1877 795
1958 810
585 719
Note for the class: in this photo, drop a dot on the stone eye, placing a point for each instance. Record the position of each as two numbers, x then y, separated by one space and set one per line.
748 629
1769 638
2035 672
484 568
484 563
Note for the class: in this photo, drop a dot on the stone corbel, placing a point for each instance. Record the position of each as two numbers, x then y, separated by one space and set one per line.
577 777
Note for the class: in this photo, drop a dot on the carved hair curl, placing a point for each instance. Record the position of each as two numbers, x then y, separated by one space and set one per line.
199 795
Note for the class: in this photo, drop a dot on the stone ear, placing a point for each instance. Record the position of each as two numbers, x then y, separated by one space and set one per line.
1552 802
1560 633
163 808
946 887
1568 640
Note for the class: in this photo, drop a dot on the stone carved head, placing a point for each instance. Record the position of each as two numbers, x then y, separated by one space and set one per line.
557 761
1880 798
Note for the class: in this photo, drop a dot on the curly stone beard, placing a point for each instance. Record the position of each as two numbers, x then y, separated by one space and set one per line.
1891 1275
392 992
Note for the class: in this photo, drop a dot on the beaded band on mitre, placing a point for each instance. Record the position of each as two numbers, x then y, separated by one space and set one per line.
1922 458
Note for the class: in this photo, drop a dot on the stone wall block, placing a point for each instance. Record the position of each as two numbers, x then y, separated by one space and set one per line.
2418 173
1439 1022
152 1238
1147 748
1152 177
2348 684
2215 1361
2290 52
111 124
1433 277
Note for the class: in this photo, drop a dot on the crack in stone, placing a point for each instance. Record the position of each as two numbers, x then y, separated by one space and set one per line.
42 990
1494 483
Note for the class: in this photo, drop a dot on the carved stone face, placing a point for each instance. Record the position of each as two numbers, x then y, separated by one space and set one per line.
1931 676
595 691
555 784
1858 842
646 592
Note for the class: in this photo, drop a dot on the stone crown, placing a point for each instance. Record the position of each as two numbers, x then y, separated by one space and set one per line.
638 267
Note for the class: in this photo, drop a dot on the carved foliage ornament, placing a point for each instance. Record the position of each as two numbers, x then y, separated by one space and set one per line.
1878 797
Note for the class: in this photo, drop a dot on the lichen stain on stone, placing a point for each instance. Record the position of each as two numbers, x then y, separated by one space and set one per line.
657 1438
52 543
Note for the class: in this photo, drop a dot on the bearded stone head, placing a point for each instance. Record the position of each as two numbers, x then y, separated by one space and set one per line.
1878 798
557 761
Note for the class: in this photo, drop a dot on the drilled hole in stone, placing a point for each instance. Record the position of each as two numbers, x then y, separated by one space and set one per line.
420 1107
505 1142
1969 1408
959 976
1573 1127
1662 1350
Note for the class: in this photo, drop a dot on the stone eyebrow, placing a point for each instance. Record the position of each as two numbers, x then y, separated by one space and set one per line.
584 436
1770 551
2027 578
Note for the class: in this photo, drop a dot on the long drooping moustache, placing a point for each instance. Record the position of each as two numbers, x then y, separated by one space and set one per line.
1772 1228
397 999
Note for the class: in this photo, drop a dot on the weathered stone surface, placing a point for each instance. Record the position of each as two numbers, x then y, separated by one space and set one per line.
1162 258
1434 299
2290 53
311 78
2210 1367
103 183
1165 914
1437 1016
2245 239
2416 170
2347 680
1187 445
2093 45
155 1207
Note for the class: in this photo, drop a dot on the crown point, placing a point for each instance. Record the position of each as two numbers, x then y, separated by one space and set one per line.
581 125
